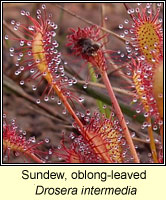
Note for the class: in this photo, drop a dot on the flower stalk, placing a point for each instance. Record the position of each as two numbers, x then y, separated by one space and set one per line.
89 37
120 116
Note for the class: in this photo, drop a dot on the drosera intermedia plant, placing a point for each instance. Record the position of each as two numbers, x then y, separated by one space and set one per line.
16 142
44 61
106 134
97 138
97 59
146 38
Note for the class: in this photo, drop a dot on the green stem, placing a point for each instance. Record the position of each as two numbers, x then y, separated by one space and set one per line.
99 103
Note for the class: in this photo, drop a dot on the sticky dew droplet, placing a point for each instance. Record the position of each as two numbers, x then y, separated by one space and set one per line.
155 127
120 26
6 37
81 99
43 6
38 101
59 102
23 12
46 98
46 140
21 82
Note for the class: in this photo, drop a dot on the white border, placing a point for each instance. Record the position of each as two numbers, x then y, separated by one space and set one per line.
141 164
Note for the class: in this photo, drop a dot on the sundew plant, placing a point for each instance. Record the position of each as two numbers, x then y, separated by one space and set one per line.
83 83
